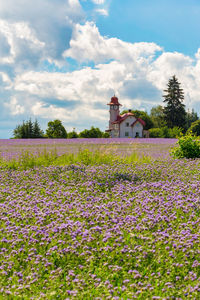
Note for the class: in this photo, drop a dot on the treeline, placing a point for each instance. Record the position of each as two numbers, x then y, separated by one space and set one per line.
171 120
157 125
55 129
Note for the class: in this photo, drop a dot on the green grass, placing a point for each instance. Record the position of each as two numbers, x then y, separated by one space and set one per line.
27 160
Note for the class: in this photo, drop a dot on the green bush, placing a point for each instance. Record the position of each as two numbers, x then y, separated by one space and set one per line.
175 132
195 127
188 146
165 132
155 133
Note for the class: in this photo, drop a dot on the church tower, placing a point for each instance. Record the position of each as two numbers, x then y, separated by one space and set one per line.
114 110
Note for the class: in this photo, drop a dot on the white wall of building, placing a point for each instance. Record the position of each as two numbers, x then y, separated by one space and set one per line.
138 128
124 129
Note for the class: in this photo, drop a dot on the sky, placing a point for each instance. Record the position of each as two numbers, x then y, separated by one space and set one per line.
65 59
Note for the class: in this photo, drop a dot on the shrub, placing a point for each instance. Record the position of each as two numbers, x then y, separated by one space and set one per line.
195 127
72 135
155 133
165 132
188 147
175 132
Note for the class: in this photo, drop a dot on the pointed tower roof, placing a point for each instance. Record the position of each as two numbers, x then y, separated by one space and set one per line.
114 101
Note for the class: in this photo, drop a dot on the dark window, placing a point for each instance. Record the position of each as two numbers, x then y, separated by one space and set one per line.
127 124
126 133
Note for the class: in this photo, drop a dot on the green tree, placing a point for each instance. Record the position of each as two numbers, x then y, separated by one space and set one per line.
195 128
91 133
165 132
72 135
174 111
28 130
142 115
157 116
106 135
17 132
155 133
37 131
56 130
191 116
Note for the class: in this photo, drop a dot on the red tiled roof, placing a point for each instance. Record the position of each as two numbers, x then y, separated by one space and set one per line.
123 117
114 101
140 121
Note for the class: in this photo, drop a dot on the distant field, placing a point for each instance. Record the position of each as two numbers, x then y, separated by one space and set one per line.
156 148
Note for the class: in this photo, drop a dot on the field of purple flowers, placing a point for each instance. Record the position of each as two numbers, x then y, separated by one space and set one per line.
123 231
154 147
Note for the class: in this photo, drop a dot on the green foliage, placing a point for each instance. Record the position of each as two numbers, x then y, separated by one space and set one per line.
142 115
191 116
165 132
91 133
72 135
175 132
157 116
188 147
155 133
28 130
56 130
174 111
28 160
106 135
195 128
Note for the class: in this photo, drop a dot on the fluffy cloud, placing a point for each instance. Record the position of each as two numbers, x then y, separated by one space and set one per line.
98 1
14 107
88 45
102 11
77 86
21 43
33 31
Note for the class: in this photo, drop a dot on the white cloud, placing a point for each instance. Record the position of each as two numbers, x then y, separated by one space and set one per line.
88 45
76 86
14 107
21 40
102 11
50 112
36 30
98 1
5 80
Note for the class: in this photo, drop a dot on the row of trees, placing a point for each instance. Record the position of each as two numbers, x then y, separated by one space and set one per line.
55 129
28 129
172 119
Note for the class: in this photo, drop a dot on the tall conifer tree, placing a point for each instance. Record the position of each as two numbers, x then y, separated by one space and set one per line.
174 111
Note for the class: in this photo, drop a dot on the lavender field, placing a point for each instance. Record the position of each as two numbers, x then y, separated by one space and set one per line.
154 147
106 231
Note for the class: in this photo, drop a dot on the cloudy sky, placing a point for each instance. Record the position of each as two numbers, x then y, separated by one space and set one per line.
64 59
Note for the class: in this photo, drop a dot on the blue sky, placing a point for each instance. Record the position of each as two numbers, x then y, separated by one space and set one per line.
64 59
173 24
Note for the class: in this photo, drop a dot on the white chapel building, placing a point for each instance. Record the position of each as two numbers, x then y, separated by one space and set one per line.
126 125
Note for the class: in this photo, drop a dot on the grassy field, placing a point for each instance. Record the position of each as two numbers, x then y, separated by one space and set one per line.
155 148
98 225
